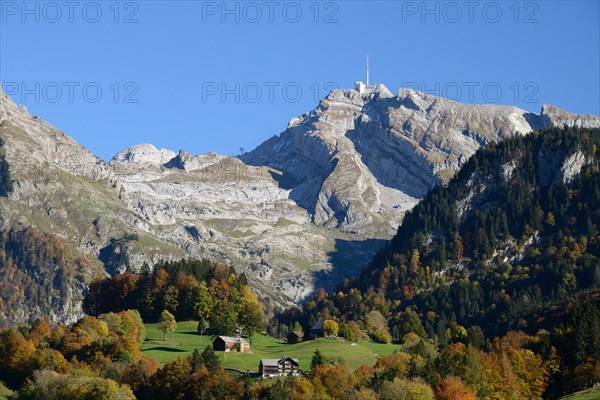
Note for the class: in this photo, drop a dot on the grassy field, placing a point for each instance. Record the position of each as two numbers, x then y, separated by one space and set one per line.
186 339
4 392
589 394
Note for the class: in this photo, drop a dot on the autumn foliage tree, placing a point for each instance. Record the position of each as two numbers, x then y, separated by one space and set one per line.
167 323
49 385
330 327
453 388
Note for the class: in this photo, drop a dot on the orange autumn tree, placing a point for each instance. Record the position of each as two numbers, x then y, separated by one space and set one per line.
338 381
16 357
453 388
510 370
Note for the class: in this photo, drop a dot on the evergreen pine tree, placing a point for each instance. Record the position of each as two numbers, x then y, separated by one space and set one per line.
210 359
195 359
317 360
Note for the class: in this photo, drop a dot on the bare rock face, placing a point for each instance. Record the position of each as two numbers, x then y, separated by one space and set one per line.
47 147
555 117
357 162
144 154
185 161
3 114
218 207
572 166
554 167
304 209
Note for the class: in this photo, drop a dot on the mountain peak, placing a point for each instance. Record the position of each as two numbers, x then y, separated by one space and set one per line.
144 154
360 94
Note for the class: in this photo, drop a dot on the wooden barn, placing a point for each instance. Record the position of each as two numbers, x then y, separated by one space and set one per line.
228 343
295 337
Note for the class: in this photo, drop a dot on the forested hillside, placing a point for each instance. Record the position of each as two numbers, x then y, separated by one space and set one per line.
513 235
515 230
40 277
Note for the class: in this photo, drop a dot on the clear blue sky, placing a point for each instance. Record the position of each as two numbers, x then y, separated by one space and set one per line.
173 56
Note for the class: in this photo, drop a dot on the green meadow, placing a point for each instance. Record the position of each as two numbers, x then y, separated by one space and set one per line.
186 339
589 394
4 392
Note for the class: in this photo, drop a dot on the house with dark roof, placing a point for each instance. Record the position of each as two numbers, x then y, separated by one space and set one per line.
295 337
228 343
272 367
317 330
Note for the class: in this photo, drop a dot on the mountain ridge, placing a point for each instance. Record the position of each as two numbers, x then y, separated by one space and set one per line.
304 209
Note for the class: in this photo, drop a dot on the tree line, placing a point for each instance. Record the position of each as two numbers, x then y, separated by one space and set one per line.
200 290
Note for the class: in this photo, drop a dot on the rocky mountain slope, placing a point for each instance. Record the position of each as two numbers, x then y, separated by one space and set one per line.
357 162
305 208
62 188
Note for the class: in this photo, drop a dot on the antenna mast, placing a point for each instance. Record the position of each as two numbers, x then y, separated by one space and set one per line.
367 69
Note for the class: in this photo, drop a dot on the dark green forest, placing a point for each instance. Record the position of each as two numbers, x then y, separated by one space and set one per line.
490 248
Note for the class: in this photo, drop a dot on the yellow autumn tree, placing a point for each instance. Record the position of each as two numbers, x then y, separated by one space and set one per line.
330 327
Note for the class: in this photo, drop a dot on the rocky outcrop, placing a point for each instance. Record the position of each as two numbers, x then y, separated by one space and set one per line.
144 154
554 117
572 166
555 168
185 161
43 146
